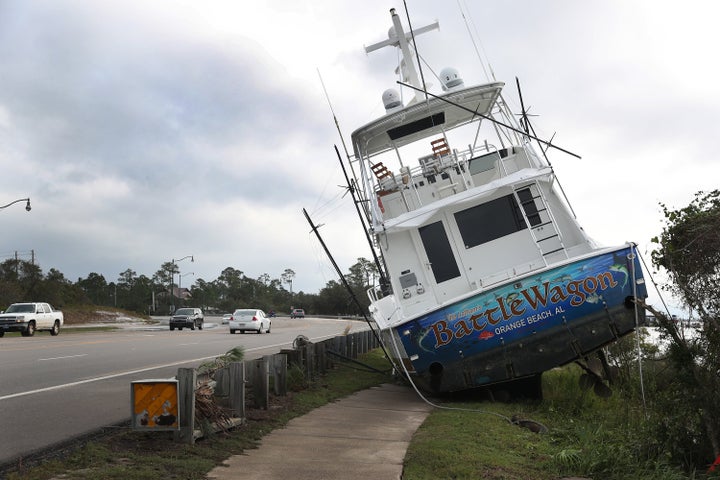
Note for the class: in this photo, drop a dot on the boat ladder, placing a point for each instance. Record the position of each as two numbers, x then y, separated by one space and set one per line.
539 218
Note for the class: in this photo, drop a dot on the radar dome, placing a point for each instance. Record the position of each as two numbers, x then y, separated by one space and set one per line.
450 78
391 33
391 99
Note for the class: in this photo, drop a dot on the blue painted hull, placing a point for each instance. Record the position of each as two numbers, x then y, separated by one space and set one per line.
528 325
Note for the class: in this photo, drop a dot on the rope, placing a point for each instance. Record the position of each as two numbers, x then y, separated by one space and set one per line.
424 399
657 289
633 254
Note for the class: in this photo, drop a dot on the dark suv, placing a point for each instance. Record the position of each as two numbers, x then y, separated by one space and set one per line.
187 317
297 313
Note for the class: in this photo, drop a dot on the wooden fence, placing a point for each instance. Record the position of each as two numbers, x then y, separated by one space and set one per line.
263 376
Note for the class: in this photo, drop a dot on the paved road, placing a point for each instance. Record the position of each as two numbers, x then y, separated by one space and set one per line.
56 388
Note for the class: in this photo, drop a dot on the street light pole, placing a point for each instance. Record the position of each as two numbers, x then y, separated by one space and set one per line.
27 205
180 284
172 278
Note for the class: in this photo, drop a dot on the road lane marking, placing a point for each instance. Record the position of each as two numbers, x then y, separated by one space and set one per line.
139 370
61 358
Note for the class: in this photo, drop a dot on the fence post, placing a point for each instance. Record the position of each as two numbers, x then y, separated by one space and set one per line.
280 364
321 356
186 409
363 342
340 345
237 388
309 353
261 392
294 357
350 342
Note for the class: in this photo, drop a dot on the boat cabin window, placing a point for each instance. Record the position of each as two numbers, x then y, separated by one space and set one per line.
416 126
439 252
483 163
489 221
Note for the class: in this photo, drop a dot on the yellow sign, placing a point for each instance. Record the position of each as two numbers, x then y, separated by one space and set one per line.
155 405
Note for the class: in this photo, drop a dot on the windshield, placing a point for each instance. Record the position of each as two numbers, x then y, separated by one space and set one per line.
244 313
21 308
184 311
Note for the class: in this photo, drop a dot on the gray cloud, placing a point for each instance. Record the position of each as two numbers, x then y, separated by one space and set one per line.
145 131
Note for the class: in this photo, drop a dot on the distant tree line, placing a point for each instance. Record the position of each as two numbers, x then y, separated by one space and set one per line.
21 280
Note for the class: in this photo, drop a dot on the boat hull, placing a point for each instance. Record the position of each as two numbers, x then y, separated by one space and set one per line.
526 326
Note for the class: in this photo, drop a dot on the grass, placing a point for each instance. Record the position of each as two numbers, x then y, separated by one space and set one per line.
588 436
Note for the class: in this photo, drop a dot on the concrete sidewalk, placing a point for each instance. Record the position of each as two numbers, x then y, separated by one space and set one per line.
363 436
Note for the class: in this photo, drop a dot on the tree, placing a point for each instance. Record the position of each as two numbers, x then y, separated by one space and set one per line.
363 274
287 277
57 290
139 297
205 294
95 288
264 279
162 276
689 251
27 278
335 299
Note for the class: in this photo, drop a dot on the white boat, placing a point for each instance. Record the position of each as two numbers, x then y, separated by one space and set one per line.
488 276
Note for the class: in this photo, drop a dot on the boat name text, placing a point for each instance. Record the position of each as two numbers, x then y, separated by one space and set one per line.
516 305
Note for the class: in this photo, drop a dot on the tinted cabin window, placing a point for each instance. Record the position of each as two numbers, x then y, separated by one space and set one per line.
437 248
483 163
417 126
489 221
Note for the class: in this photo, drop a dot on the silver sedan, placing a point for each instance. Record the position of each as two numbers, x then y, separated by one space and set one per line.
249 319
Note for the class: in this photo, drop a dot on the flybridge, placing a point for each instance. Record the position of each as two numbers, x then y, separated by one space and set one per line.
424 115
431 117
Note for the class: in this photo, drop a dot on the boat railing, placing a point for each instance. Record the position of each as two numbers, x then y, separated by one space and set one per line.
434 176
431 164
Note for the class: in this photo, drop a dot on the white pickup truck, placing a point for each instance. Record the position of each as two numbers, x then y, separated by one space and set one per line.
27 318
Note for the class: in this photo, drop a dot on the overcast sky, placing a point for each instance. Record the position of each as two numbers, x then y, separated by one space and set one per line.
145 131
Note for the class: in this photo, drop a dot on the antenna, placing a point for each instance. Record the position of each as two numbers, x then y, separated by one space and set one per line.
400 39
496 122
417 54
529 128
337 125
361 310
489 76
351 188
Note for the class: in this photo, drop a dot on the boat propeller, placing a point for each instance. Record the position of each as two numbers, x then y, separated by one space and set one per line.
597 372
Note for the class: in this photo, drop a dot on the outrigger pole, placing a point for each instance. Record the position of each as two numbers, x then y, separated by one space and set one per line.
345 284
486 117
352 190
529 128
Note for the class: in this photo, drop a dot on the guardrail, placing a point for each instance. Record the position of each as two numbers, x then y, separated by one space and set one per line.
223 392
